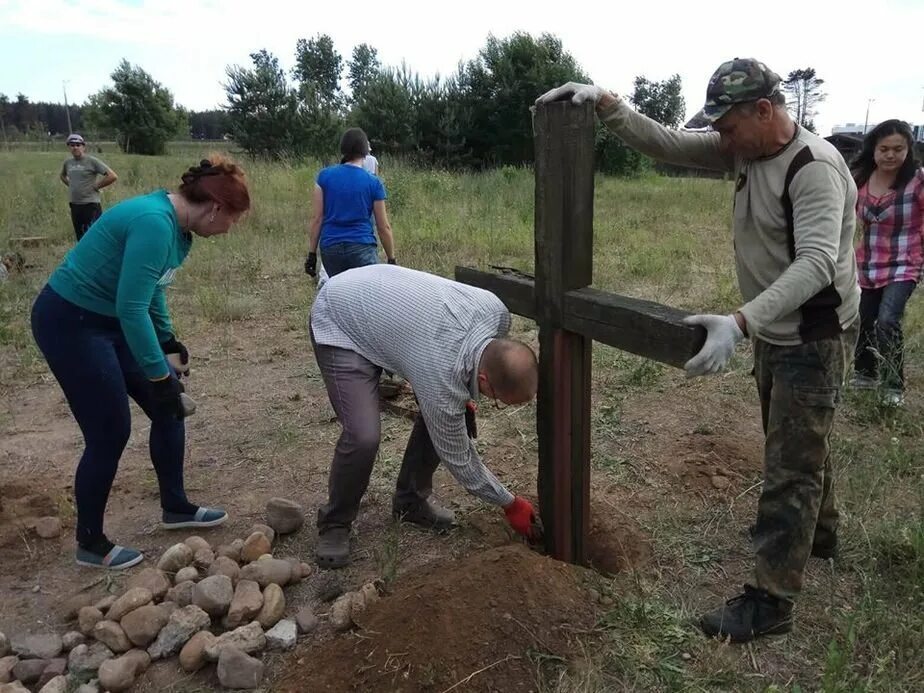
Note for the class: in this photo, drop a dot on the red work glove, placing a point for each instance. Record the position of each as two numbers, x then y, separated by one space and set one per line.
521 516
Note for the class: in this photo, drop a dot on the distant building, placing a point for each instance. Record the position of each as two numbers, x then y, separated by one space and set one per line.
857 129
848 139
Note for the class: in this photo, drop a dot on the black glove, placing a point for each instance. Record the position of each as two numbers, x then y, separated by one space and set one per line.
166 397
175 346
311 265
392 261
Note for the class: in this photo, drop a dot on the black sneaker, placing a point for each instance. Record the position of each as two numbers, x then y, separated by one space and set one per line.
426 514
823 548
333 548
750 615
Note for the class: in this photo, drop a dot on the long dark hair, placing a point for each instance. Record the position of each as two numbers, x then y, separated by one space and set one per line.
864 165
353 145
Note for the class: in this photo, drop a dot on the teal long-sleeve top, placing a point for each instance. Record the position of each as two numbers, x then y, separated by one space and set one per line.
121 268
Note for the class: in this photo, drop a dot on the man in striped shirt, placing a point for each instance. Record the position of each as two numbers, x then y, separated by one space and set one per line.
448 340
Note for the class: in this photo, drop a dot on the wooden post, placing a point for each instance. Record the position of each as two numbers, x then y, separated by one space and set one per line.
564 168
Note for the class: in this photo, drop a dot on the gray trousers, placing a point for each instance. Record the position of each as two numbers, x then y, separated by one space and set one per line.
353 387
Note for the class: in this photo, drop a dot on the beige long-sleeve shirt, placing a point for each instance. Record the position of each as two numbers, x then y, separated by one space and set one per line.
798 279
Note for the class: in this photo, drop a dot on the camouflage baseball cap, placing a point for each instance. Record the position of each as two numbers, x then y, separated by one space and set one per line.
735 81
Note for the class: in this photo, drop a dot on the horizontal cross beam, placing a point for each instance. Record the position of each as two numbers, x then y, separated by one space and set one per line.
645 328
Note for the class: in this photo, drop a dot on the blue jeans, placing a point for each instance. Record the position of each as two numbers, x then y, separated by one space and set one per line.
880 347
339 257
88 355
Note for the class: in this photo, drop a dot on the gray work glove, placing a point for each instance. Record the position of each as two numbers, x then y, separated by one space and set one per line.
722 334
577 93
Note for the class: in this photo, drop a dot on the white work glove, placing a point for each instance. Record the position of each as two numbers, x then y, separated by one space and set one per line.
576 92
722 334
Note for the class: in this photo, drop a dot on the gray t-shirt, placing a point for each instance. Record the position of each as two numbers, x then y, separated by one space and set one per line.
81 174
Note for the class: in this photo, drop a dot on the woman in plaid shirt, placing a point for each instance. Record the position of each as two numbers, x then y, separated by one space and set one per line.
890 253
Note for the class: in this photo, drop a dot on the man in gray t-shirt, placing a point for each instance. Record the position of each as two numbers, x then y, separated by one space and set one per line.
81 174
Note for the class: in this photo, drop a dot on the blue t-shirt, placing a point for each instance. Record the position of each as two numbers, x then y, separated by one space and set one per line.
349 193
121 267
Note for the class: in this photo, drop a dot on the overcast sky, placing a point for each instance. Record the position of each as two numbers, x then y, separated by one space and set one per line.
863 50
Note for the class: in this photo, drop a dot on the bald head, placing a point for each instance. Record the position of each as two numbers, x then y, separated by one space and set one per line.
508 371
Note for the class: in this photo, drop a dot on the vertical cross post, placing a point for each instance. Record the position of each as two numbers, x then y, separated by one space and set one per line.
564 168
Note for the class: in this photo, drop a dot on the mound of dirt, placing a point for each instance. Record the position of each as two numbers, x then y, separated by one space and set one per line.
485 613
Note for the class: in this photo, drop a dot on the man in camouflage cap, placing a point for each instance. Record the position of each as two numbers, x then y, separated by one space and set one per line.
793 231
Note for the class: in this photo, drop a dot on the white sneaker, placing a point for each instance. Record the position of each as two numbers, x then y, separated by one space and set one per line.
893 398
863 382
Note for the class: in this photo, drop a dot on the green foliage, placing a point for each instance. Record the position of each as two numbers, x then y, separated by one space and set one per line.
317 70
139 109
803 88
363 66
660 101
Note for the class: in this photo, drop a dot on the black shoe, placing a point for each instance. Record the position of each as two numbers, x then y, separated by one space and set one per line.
750 615
821 548
426 514
333 548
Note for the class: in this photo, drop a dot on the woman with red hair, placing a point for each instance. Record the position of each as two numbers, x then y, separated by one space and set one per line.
103 326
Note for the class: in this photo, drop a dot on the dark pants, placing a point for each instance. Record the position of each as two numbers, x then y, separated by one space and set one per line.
353 387
880 347
340 257
90 358
799 389
83 215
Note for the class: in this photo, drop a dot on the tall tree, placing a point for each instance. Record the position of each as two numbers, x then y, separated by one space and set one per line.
363 66
803 88
262 108
139 109
317 70
661 101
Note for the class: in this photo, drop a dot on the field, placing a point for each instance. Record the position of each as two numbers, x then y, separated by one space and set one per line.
676 462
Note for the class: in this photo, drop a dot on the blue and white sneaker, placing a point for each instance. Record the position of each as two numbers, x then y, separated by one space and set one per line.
118 558
203 517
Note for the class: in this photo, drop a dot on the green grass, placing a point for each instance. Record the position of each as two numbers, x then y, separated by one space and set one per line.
860 623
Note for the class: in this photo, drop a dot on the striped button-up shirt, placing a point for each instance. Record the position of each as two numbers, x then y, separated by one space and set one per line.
891 248
430 330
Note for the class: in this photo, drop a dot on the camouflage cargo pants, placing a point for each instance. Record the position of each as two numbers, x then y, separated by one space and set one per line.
799 389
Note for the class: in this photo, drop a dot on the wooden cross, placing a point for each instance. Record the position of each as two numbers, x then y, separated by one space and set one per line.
570 315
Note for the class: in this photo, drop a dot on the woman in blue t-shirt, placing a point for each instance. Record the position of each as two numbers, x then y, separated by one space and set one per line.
345 199
103 326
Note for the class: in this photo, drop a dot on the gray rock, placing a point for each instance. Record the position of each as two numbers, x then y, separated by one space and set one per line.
106 602
203 558
87 618
284 516
48 527
265 530
225 566
143 624
111 634
141 659
181 595
232 550
45 646
187 574
176 557
84 660
282 636
117 675
29 670
72 639
274 606
255 546
56 667
341 612
14 687
237 670
196 543
6 667
154 580
4 646
133 599
91 687
213 594
306 620
70 607
192 656
267 571
56 685
246 604
183 624
249 639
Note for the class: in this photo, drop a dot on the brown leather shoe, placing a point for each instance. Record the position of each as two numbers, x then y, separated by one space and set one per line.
333 548
426 514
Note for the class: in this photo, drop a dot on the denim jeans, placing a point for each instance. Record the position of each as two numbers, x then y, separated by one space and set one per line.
340 257
88 355
880 348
